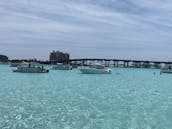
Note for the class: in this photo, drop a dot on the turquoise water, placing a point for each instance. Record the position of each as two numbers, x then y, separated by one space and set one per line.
131 99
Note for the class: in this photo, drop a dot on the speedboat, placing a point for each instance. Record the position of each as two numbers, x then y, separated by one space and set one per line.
60 66
31 68
95 69
166 70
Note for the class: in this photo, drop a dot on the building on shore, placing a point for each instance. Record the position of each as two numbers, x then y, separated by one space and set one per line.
57 56
3 59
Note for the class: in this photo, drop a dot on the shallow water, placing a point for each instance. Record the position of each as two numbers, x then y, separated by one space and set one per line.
126 99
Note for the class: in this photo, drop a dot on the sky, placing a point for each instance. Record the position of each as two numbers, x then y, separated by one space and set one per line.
118 29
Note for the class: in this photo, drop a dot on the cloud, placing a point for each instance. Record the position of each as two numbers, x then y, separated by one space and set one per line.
100 27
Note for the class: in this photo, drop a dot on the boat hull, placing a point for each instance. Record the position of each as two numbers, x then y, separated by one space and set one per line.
94 71
30 70
61 68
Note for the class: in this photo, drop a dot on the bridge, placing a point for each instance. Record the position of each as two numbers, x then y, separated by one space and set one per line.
120 62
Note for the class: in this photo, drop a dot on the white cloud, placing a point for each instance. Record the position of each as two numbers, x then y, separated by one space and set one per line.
86 25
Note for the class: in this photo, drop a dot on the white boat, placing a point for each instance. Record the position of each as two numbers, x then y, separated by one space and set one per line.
60 66
15 64
30 68
95 69
166 70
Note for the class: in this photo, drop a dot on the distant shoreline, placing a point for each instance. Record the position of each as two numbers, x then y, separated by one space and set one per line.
106 62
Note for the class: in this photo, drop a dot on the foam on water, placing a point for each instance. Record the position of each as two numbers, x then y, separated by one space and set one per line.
131 99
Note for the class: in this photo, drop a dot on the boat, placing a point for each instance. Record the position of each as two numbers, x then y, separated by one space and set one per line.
166 70
30 68
95 69
15 64
60 66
